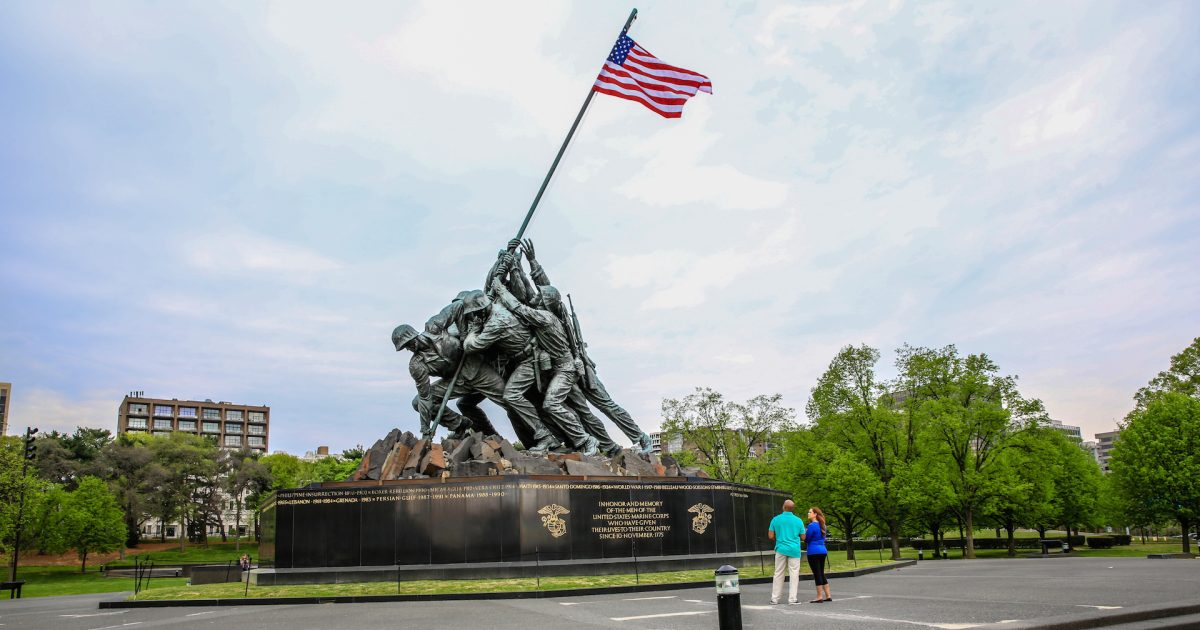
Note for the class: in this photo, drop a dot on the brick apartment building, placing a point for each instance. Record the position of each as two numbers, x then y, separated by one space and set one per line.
232 425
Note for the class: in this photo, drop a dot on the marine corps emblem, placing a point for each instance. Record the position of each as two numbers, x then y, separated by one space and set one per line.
550 519
702 518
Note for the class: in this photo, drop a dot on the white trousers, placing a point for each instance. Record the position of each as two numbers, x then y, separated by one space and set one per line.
792 565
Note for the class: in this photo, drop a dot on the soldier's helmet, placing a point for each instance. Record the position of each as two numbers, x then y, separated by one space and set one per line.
475 301
402 335
550 296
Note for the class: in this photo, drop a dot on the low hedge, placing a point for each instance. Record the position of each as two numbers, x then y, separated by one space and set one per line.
1122 539
1101 542
980 543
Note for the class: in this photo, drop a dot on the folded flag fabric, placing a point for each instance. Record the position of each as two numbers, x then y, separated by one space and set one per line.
632 73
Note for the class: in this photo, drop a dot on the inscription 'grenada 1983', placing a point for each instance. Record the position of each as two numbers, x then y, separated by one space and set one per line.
623 520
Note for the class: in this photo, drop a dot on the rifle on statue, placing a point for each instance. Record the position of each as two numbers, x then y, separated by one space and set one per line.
589 370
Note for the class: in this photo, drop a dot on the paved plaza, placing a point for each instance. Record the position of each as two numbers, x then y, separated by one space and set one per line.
934 594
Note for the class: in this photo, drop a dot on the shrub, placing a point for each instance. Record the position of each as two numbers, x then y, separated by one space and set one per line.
1077 541
1122 539
1101 542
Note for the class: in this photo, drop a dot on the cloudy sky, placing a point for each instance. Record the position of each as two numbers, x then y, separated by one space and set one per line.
239 201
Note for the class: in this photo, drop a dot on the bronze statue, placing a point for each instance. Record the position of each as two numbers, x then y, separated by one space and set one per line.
513 343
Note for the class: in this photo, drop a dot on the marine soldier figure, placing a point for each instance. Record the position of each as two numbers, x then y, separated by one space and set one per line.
431 358
495 327
593 389
556 366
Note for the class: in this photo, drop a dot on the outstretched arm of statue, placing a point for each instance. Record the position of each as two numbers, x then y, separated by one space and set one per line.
532 317
535 268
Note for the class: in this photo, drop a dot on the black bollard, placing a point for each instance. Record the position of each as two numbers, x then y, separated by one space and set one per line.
729 598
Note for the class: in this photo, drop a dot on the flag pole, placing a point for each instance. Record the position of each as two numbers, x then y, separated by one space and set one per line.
524 224
570 134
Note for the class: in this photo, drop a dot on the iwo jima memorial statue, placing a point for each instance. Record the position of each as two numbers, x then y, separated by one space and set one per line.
472 504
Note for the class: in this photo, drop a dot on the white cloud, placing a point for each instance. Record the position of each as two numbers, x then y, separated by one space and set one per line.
239 252
49 410
674 172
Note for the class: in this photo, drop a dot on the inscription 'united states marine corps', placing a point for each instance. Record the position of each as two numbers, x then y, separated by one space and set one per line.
702 518
550 519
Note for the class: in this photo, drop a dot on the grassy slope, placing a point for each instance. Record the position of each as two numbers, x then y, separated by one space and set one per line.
52 581
415 587
215 553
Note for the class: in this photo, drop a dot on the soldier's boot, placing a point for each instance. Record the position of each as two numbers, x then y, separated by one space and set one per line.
644 444
612 450
589 446
541 446
461 430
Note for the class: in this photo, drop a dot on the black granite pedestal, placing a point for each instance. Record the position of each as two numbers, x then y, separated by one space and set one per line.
508 525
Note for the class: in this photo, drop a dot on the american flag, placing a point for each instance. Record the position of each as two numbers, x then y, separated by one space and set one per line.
632 73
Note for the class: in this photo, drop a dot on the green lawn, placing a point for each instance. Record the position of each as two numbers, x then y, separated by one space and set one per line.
213 553
52 581
838 562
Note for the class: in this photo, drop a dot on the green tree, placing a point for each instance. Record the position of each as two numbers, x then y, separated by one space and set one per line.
246 479
1076 483
925 493
1025 478
824 475
186 461
92 520
17 483
970 412
47 530
286 470
858 412
1156 463
1182 377
133 475
727 435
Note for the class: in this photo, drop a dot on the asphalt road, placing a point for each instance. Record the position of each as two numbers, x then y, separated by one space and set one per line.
934 594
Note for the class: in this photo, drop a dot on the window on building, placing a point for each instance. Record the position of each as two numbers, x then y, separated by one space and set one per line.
257 416
233 427
187 425
187 412
255 441
163 410
139 409
162 433
212 427
136 423
212 414
233 414
162 423
233 440
257 429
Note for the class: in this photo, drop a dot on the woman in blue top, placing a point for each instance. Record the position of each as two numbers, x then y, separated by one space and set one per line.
814 536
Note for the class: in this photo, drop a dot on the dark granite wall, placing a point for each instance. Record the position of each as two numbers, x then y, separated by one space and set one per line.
510 519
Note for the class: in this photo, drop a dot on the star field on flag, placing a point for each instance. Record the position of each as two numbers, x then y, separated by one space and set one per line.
632 73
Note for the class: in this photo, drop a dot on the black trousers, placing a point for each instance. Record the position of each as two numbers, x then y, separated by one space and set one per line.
816 564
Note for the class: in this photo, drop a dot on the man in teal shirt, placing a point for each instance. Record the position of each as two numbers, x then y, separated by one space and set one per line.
785 531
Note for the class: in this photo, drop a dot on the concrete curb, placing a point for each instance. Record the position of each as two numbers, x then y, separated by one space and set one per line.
1100 619
366 599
